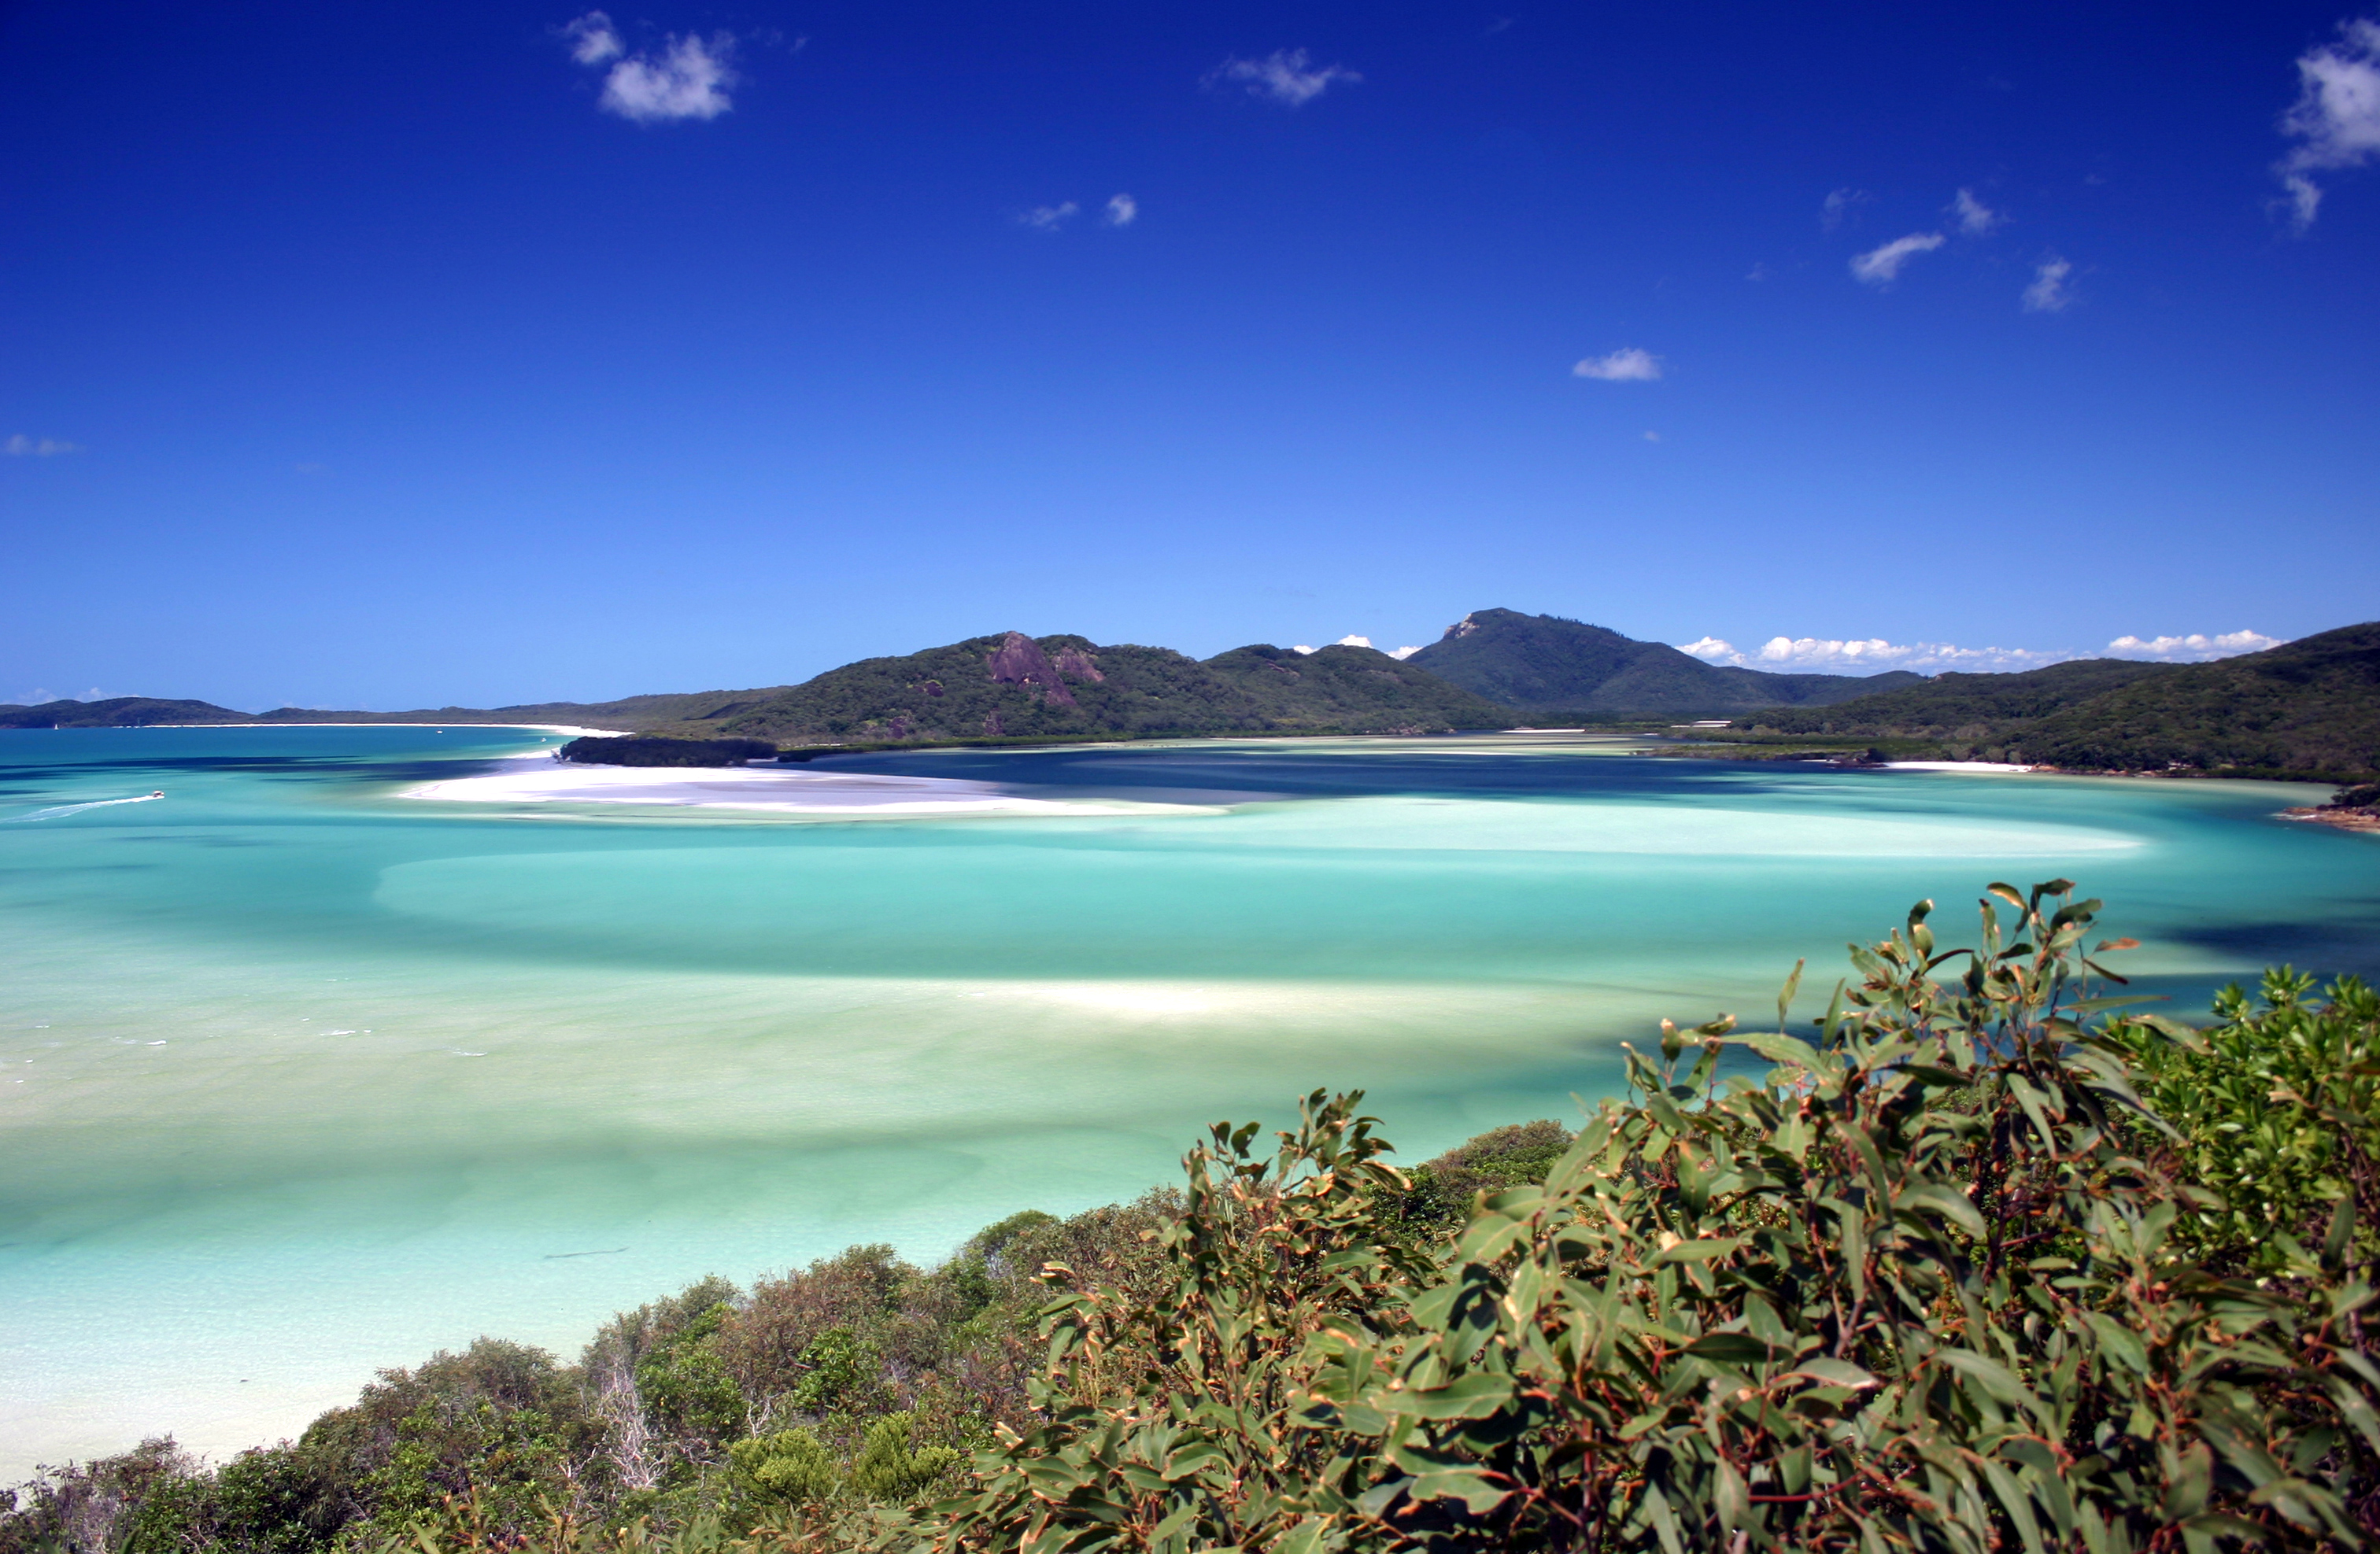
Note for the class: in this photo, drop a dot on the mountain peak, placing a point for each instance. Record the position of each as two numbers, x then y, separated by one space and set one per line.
1553 663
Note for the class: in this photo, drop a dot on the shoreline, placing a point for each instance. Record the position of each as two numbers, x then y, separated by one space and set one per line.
2361 821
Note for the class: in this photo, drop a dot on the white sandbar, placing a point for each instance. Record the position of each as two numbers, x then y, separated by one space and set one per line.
773 789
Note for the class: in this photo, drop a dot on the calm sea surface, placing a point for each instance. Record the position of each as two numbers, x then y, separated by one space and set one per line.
299 1077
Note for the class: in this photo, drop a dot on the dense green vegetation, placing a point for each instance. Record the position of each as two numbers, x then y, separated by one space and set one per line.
2308 708
1980 1262
1562 668
645 749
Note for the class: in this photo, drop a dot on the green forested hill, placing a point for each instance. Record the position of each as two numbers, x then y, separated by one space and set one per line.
1962 705
2310 706
1010 685
1549 664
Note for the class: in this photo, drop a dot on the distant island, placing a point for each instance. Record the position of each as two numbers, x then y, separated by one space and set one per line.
2307 709
1491 666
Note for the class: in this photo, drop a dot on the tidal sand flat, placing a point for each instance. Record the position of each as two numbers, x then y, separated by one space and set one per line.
301 1077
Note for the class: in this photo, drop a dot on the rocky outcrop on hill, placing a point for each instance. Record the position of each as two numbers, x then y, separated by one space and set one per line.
1019 660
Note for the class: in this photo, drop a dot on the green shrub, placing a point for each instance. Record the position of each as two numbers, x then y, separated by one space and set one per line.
790 1467
2277 1106
891 1467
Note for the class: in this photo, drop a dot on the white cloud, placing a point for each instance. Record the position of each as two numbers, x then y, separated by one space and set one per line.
1048 218
1280 77
2196 647
1882 266
593 38
1626 365
1838 204
1300 648
1352 640
1400 654
2336 119
2048 294
1872 655
689 77
22 446
1122 210
1975 218
689 80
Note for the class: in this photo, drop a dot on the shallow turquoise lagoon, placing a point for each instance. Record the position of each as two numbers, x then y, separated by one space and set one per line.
300 1077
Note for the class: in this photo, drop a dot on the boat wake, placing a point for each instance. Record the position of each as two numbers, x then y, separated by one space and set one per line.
58 811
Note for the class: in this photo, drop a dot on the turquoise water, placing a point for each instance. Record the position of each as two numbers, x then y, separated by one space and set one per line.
299 1077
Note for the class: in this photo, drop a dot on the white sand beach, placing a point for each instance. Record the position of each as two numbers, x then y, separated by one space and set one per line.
773 789
1956 766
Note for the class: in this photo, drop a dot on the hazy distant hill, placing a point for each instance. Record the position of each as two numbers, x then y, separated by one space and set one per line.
116 712
2309 706
1544 663
1011 686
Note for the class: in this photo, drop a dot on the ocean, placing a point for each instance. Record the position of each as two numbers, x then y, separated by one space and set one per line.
302 1077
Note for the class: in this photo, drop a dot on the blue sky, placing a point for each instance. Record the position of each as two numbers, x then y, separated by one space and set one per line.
367 355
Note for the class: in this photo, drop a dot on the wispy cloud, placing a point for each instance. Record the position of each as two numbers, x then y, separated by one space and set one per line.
2336 119
1872 655
687 78
1882 266
1285 76
22 446
2048 294
1122 210
1626 365
1838 205
593 38
1974 217
2196 647
1048 218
